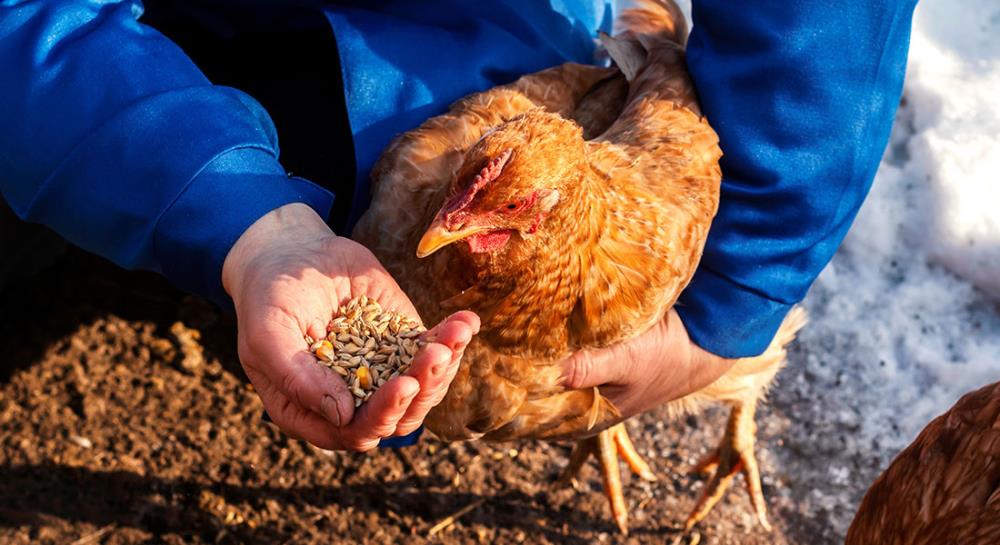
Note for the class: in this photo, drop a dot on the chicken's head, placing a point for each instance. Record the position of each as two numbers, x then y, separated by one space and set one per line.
512 180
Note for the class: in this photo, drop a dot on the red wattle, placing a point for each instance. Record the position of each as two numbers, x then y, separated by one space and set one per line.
488 242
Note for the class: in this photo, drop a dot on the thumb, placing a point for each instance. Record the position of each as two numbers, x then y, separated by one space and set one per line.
588 368
278 351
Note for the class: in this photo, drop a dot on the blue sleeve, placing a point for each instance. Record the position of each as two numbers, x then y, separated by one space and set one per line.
113 138
803 96
405 61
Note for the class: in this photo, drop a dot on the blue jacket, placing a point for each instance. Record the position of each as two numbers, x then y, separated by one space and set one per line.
111 136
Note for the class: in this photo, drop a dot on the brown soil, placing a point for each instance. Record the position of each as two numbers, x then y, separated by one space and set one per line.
113 430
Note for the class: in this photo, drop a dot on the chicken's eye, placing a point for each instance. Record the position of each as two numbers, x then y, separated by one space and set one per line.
513 206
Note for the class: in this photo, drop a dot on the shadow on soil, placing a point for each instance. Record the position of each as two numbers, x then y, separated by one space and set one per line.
48 305
124 498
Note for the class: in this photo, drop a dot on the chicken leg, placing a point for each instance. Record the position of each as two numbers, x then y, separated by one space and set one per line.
734 454
607 446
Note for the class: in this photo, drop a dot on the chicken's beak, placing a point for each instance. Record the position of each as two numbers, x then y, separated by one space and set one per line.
438 236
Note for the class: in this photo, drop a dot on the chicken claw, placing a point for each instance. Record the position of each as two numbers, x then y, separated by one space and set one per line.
607 446
735 454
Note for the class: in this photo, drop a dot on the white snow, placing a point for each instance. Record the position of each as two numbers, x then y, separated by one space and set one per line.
954 85
906 318
903 285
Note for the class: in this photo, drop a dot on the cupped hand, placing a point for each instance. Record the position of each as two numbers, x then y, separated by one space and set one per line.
287 274
661 365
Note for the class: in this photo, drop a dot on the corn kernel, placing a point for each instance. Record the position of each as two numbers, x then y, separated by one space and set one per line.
324 350
364 378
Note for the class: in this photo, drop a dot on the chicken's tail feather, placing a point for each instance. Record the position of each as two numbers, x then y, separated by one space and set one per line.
639 29
777 351
653 21
796 319
573 414
749 378
595 410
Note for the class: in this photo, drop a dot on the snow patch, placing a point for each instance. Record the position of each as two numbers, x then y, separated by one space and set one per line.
954 86
904 320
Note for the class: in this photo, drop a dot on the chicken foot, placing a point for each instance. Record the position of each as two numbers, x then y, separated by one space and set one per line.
607 446
735 454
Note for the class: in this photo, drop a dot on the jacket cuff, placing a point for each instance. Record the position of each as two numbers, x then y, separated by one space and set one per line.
401 441
728 319
194 235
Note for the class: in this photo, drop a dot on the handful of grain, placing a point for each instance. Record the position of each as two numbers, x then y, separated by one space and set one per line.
367 346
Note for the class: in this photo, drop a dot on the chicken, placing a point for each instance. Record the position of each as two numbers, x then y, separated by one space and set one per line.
568 209
944 487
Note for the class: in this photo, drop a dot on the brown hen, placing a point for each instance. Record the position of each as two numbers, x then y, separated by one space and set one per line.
944 487
568 209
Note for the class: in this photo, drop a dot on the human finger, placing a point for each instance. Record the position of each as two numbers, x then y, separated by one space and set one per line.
452 329
277 349
379 417
436 364
589 368
434 367
292 419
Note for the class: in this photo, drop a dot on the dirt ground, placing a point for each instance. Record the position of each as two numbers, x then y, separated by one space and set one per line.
116 429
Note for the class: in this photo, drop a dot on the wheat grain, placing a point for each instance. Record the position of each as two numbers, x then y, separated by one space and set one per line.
367 345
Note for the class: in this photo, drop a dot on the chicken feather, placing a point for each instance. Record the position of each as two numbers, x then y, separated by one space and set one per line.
639 215
610 181
944 487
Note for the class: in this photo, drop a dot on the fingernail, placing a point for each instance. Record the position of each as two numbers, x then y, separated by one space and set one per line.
330 410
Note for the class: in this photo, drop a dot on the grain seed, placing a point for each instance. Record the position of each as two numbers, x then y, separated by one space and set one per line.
367 345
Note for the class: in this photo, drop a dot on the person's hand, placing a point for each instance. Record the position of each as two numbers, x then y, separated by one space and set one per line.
287 274
660 365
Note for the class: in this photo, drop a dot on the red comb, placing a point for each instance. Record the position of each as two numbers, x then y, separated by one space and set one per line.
455 205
